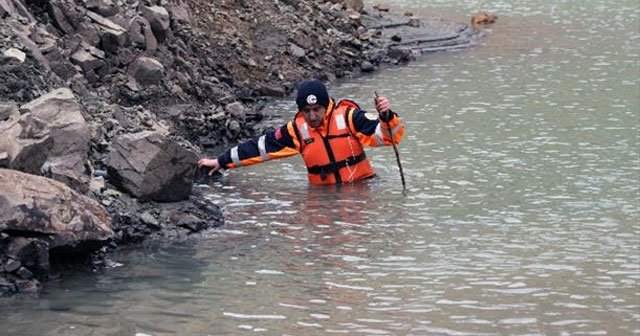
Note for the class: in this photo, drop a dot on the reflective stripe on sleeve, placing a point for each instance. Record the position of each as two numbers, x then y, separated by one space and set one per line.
263 149
378 135
234 157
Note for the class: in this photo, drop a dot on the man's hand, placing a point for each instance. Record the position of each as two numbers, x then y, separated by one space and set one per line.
211 163
382 105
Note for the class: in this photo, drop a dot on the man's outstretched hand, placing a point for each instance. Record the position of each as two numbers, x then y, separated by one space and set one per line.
211 163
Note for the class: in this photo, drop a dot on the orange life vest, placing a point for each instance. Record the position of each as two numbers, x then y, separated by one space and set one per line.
337 156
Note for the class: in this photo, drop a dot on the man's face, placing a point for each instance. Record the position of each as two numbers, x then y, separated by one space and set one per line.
313 114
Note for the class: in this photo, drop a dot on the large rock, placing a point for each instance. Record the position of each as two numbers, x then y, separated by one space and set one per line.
68 169
105 8
112 35
141 35
26 140
146 71
7 8
59 12
14 8
159 19
66 159
179 12
356 5
151 167
91 61
63 114
35 206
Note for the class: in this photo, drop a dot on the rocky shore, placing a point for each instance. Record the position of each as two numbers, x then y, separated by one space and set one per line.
105 106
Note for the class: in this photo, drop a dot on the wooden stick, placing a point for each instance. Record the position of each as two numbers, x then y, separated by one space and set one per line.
395 148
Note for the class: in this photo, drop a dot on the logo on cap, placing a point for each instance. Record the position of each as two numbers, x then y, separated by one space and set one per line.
312 99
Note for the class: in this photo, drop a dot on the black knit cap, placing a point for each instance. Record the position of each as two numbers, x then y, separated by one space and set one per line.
311 93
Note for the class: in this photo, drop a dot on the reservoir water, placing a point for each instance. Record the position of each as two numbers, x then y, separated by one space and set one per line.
522 160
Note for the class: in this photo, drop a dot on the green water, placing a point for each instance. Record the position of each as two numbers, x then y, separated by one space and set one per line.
522 161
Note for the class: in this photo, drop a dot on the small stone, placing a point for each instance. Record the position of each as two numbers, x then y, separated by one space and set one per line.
24 273
413 23
4 159
150 220
12 265
366 66
15 54
147 71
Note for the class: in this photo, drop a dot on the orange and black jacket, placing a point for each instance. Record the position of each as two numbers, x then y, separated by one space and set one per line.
332 152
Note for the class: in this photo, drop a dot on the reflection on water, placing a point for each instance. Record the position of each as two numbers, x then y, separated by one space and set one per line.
522 163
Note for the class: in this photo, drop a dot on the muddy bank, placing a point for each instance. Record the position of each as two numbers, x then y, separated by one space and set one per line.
107 104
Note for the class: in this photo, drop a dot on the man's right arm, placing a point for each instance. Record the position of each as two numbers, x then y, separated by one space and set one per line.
279 143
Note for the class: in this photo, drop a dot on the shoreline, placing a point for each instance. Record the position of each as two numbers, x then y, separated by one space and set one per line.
144 91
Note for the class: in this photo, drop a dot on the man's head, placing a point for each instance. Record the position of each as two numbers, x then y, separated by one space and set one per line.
312 101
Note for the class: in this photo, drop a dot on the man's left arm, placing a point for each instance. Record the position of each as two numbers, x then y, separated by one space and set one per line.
372 129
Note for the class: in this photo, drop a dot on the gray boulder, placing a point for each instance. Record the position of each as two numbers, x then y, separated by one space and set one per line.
27 142
179 12
141 35
112 35
7 8
33 205
62 114
105 8
91 61
68 169
151 167
146 71
159 19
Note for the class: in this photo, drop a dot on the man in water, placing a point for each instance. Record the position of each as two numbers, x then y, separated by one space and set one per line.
330 136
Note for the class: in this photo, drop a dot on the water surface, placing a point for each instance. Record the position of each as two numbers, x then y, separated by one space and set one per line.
520 217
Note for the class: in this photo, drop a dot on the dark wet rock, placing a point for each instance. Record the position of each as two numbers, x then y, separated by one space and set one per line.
29 253
151 167
136 221
12 265
192 222
24 273
4 159
30 286
366 66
